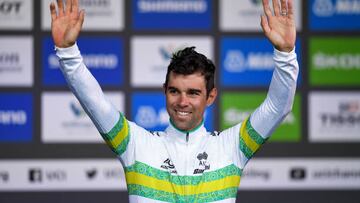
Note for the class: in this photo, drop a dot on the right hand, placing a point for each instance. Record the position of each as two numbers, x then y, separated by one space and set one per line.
66 24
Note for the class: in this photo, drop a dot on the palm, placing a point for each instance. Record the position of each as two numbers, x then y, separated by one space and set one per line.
279 29
66 26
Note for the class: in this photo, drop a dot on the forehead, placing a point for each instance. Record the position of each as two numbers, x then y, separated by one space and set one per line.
195 80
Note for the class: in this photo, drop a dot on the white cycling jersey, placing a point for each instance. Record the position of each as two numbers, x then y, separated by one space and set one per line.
175 165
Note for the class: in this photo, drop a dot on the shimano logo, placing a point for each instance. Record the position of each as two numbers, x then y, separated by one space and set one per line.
9 7
13 117
326 8
343 61
93 61
236 61
172 6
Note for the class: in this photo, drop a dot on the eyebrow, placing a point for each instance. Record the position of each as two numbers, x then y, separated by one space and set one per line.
193 90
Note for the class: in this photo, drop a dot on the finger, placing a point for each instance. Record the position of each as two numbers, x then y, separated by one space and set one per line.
265 25
290 8
52 11
75 6
276 7
283 7
60 7
267 9
68 7
80 22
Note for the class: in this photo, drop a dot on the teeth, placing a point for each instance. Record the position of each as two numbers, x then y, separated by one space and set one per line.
182 113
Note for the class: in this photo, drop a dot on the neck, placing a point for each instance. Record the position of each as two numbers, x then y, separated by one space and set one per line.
187 131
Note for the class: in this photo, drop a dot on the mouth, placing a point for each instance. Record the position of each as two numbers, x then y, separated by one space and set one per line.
182 113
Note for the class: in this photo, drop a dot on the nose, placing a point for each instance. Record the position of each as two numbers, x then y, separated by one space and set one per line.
183 100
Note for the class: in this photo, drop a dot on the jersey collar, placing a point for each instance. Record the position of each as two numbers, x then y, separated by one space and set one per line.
186 136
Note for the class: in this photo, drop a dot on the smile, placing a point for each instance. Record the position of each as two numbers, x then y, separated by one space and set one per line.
182 113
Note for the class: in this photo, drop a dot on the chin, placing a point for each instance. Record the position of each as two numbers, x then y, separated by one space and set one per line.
181 126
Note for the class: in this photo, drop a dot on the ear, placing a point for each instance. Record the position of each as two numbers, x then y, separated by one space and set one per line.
212 96
164 88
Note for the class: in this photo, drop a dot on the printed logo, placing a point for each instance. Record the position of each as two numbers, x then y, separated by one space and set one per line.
149 111
323 8
76 109
8 7
16 61
172 14
244 15
236 107
336 120
4 177
16 14
335 61
155 54
297 173
336 173
102 56
148 118
248 61
203 164
168 165
251 173
114 173
15 117
71 123
334 14
91 173
101 15
38 175
35 175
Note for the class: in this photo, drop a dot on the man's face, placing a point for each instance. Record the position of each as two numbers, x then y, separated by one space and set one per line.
186 99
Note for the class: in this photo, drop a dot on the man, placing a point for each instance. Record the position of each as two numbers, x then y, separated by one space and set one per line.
185 163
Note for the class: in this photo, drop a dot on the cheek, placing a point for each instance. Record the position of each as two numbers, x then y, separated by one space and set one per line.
200 105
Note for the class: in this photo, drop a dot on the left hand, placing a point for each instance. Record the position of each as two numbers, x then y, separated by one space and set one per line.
279 28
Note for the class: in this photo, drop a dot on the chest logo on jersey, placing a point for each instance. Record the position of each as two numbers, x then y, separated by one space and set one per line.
203 164
168 165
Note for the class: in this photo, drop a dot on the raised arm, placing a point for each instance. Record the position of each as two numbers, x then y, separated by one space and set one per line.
66 25
279 28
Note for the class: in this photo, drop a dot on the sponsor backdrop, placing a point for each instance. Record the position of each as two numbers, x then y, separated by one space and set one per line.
49 146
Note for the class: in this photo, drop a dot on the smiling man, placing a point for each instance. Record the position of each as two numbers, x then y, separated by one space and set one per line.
184 163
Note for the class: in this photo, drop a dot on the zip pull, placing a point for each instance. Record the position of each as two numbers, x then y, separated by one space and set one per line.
187 136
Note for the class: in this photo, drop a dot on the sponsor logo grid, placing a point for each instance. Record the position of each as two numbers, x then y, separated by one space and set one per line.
105 174
124 58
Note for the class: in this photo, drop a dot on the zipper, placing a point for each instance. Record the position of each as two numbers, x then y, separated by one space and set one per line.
186 160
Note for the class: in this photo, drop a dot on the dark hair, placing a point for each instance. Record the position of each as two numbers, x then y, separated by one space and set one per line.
187 61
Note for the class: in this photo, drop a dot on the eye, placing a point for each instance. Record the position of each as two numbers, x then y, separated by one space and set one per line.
173 91
194 93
